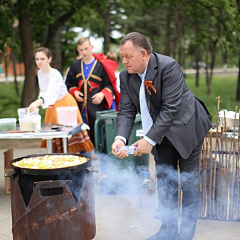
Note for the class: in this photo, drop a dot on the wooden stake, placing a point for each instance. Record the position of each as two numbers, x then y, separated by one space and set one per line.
210 178
215 161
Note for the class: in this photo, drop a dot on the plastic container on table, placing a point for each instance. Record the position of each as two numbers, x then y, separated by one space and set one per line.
22 112
67 115
30 123
7 124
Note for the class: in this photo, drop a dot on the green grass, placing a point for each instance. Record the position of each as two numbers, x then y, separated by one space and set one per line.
225 87
10 102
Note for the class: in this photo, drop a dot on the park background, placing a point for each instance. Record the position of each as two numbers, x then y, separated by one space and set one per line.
202 35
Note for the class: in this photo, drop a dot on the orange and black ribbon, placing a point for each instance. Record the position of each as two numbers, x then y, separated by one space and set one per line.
148 83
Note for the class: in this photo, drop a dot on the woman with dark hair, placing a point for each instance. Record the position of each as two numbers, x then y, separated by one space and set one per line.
53 93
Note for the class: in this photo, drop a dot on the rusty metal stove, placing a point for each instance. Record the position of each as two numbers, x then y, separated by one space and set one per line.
53 208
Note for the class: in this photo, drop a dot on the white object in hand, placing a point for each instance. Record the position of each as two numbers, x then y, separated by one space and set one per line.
127 149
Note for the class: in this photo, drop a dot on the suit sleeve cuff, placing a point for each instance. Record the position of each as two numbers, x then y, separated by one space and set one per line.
150 140
121 138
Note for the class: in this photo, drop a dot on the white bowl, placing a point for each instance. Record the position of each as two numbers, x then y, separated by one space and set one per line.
229 117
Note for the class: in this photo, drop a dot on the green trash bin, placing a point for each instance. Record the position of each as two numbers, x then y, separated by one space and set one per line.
105 127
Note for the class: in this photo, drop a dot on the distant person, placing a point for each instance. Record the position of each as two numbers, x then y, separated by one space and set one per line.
89 81
113 56
174 126
53 94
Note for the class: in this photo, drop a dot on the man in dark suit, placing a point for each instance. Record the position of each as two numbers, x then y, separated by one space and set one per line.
178 125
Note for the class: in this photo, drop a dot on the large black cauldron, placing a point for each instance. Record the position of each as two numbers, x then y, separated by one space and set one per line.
53 203
27 178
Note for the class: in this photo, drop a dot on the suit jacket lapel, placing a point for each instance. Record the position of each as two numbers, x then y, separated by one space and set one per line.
135 82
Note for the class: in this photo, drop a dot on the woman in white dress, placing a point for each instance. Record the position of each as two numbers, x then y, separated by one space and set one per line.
53 93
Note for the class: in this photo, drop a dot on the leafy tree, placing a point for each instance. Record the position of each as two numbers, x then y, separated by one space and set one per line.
44 26
106 17
211 23
30 87
183 29
6 20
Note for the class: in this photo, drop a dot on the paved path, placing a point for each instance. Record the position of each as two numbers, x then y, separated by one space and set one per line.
118 216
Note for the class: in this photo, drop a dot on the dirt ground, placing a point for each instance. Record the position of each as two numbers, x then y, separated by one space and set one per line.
18 144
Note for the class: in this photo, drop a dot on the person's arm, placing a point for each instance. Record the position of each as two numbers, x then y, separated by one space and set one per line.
107 91
71 79
34 105
127 110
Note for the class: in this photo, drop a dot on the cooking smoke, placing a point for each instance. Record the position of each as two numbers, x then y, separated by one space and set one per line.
123 179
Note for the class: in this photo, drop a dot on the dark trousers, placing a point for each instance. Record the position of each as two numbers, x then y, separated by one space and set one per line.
167 180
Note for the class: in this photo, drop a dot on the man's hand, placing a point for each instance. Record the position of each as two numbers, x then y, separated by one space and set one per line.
143 147
78 96
117 144
97 98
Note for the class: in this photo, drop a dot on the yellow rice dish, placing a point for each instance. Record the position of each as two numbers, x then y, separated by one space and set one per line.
50 162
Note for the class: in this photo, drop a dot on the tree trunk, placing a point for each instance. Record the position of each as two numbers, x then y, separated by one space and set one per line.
51 33
225 53
6 67
58 52
107 29
238 5
15 72
176 34
30 87
207 75
181 52
168 32
51 30
213 56
197 59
